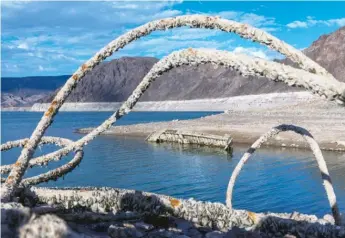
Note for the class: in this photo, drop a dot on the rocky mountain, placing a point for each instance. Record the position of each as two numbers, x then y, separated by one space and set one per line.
111 81
28 90
329 52
14 100
114 81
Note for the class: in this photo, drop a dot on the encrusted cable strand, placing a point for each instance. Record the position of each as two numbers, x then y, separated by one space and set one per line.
101 203
327 182
330 88
197 21
311 77
53 174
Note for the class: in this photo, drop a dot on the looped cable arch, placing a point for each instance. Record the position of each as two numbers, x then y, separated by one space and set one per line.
319 80
53 174
242 63
327 182
199 21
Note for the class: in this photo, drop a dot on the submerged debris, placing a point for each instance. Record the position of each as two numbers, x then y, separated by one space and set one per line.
188 137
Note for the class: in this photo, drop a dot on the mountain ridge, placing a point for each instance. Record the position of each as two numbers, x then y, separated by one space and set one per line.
113 81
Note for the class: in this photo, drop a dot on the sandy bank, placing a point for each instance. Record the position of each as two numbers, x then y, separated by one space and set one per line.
247 119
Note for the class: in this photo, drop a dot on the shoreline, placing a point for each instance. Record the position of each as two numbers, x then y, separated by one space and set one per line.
245 119
244 138
245 123
238 103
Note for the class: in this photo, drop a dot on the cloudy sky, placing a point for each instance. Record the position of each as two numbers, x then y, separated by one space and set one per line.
54 38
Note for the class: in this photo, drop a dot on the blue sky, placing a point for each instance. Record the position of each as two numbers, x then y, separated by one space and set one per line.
54 38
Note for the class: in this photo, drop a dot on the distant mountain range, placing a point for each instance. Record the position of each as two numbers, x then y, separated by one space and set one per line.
114 81
27 90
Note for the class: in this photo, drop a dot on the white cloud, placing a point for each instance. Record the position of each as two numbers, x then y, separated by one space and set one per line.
165 45
229 14
13 68
64 34
259 21
23 46
14 4
297 24
339 22
41 68
191 33
251 52
310 21
132 5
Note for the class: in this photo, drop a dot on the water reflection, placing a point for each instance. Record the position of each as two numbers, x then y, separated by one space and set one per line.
191 148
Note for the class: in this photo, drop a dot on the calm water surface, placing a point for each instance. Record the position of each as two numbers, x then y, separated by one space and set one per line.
274 179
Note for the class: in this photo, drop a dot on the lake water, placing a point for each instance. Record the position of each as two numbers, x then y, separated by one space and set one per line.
277 180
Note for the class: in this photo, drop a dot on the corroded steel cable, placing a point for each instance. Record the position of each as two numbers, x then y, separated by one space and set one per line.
39 161
197 21
327 182
105 201
190 56
329 88
52 174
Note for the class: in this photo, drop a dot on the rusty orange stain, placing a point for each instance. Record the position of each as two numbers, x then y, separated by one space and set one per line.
49 112
191 51
75 77
174 202
9 179
54 103
17 164
252 216
84 67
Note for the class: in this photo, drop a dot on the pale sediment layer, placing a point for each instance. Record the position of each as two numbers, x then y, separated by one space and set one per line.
271 100
248 117
15 109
